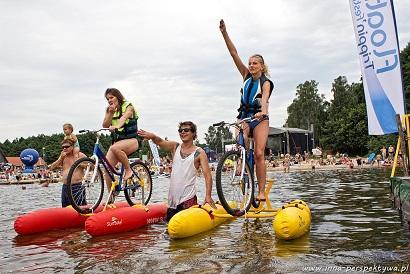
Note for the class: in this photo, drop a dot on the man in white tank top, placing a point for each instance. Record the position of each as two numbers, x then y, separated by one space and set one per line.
187 158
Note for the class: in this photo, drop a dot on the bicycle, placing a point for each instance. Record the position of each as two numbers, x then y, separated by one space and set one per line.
86 181
235 183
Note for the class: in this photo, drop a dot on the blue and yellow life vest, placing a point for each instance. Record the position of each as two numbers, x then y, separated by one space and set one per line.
129 129
251 95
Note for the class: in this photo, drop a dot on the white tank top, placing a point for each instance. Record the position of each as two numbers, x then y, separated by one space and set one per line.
183 178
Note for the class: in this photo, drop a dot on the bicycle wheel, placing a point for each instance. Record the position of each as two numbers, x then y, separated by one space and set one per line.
139 189
85 190
235 194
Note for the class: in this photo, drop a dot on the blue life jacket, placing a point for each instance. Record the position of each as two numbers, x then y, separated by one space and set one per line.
251 95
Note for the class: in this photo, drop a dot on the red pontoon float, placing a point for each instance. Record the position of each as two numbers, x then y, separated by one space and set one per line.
53 218
125 219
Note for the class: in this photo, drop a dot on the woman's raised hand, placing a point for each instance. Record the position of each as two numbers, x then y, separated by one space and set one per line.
222 26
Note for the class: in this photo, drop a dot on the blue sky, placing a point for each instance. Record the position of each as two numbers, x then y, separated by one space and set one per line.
167 57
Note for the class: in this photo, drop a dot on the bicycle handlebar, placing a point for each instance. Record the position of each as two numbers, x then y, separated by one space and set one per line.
218 124
248 119
93 131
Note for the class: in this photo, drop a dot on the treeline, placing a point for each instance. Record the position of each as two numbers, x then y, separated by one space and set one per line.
339 125
49 147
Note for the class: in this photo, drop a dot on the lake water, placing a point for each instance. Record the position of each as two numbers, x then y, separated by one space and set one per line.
354 229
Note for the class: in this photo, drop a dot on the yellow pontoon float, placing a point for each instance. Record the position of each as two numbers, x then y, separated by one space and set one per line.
291 221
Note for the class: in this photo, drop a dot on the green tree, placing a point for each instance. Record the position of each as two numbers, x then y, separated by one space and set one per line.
405 67
346 127
216 135
309 107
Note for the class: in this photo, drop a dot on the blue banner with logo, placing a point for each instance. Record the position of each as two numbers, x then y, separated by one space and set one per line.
376 36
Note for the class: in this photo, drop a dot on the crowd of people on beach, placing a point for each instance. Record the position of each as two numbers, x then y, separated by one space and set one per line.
337 160
385 156
14 174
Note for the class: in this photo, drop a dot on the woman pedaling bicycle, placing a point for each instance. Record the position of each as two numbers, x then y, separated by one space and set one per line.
121 119
255 93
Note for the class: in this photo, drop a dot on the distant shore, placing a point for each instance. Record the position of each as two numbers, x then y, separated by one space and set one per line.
310 167
29 181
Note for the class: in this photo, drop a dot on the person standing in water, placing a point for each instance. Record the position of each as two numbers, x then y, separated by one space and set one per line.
66 160
187 159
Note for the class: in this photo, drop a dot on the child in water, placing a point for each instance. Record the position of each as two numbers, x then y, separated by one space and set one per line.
68 132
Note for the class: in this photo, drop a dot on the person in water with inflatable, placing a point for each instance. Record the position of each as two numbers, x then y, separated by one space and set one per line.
66 160
187 159
121 119
255 93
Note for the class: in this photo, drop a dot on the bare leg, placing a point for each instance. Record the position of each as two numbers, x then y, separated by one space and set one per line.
113 162
260 134
76 152
121 149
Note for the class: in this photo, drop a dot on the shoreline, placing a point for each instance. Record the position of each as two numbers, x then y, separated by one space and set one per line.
308 167
29 181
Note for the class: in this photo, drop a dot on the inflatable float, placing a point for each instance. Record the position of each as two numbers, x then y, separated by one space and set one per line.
53 218
125 219
195 220
292 220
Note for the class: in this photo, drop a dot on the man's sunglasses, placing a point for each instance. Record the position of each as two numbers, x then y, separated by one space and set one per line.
184 130
65 147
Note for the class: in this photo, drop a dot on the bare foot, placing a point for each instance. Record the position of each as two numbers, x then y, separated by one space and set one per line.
261 197
128 174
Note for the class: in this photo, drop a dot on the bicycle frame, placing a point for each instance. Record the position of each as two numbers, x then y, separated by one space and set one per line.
246 153
98 155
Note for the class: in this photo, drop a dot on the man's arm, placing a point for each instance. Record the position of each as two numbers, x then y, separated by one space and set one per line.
58 162
203 160
164 144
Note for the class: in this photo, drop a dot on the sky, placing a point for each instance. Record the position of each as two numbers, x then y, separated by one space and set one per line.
168 58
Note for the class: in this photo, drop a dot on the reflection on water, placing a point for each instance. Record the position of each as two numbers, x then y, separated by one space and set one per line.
353 224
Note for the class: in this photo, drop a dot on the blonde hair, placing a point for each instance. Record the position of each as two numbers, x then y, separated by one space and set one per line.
68 140
70 126
265 69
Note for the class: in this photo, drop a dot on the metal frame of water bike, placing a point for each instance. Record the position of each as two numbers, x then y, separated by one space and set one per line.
99 159
246 156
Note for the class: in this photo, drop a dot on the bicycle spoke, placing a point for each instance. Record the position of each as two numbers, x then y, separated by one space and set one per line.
235 189
86 185
139 189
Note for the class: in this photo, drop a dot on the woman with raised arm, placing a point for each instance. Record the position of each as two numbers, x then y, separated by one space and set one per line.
121 118
255 93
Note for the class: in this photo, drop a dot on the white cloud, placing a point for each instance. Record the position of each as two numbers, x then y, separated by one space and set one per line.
167 57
